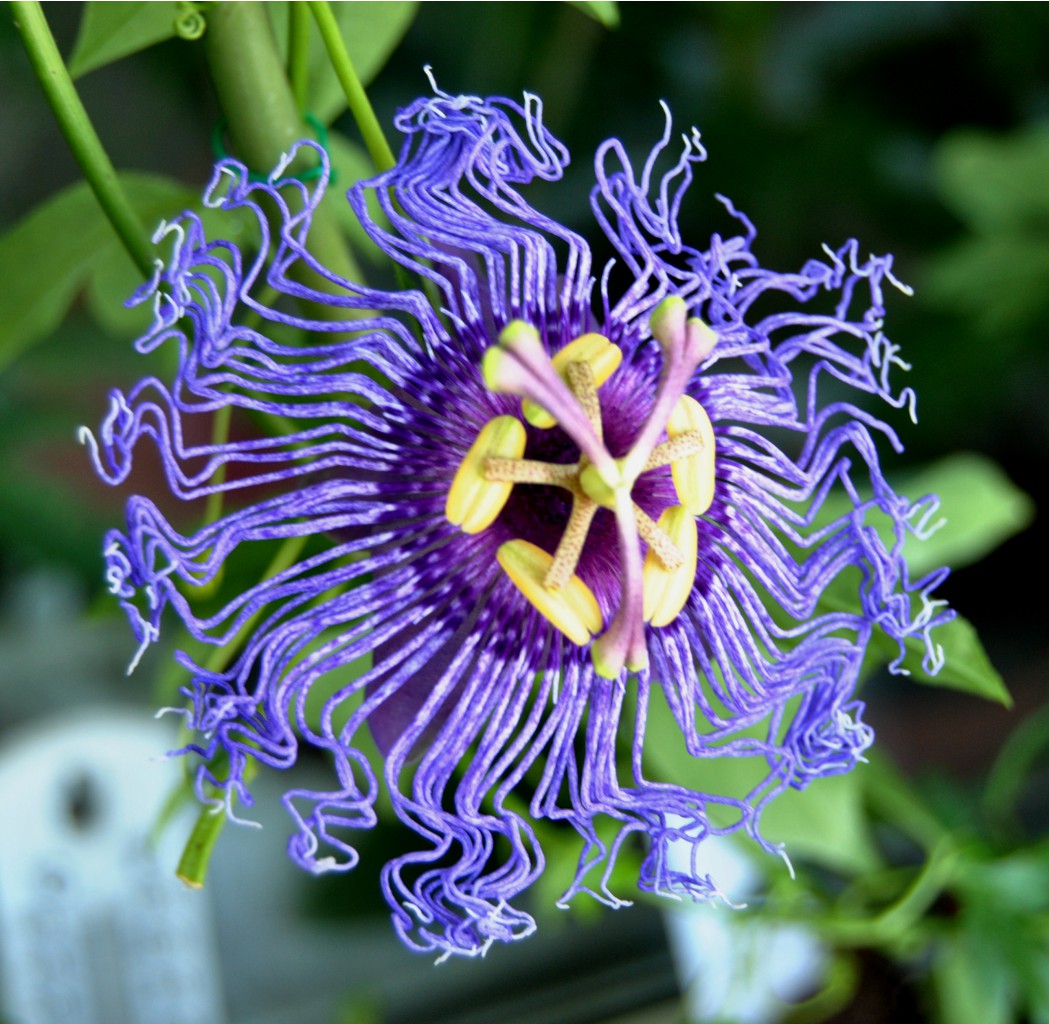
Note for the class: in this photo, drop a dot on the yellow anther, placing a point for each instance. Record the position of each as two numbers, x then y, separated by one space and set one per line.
666 591
594 349
694 474
475 502
573 609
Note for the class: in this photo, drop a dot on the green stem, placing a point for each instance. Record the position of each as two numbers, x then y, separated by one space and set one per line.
899 920
80 134
838 990
371 131
196 854
363 113
193 864
252 87
299 53
178 797
1013 765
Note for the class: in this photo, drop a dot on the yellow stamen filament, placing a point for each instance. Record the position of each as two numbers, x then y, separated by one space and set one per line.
530 471
596 351
693 474
573 609
664 590
670 451
474 502
570 547
658 542
580 378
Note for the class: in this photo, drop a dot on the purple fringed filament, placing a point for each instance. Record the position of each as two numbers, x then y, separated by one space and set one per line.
534 502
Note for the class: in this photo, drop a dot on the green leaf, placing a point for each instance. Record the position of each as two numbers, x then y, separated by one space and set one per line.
980 506
604 11
50 255
1010 773
1017 882
115 278
44 397
1004 902
995 277
966 668
110 284
997 282
371 30
991 965
971 986
825 824
996 183
110 31
966 665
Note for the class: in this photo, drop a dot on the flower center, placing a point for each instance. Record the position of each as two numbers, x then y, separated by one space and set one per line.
563 391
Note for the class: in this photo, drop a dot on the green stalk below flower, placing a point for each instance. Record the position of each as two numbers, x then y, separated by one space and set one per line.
357 99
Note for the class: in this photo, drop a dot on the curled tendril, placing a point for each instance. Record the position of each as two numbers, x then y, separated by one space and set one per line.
190 22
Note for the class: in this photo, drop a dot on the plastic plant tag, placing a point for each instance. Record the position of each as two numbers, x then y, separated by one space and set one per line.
94 926
731 965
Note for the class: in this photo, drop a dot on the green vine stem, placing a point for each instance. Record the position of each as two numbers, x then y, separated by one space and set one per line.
1012 768
219 436
76 126
361 108
252 87
262 110
893 799
299 53
196 855
898 921
363 113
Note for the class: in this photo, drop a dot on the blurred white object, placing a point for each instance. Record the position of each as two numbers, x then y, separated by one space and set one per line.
731 964
94 926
